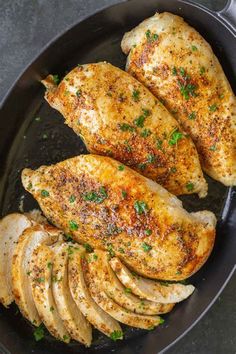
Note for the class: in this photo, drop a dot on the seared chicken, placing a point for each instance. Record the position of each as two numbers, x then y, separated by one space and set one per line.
41 284
149 289
119 293
119 210
111 307
29 240
117 116
11 227
74 321
179 67
80 293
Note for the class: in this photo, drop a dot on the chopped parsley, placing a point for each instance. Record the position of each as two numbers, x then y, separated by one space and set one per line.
142 166
121 167
40 280
187 89
146 112
151 158
145 133
127 290
88 247
68 238
70 250
174 71
140 207
66 338
140 121
182 71
194 48
124 194
44 193
116 335
212 148
126 127
161 320
159 144
128 147
110 250
39 333
95 256
190 186
121 250
135 95
213 108
78 93
56 79
148 232
72 198
146 247
51 309
173 169
175 136
202 70
49 265
151 37
96 197
73 225
192 115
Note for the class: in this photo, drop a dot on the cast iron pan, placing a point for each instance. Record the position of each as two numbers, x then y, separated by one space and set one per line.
25 141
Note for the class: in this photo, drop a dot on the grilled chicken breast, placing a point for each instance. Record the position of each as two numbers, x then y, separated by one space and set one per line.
118 292
41 284
117 116
164 293
29 240
11 227
111 307
132 217
74 321
179 67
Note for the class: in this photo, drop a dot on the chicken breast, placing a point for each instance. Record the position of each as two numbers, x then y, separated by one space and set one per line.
29 240
118 292
80 293
179 67
117 116
41 284
74 321
111 307
11 227
149 289
125 213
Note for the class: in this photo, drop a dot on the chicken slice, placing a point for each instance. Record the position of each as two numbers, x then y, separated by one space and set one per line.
29 240
92 312
117 116
97 292
41 284
125 213
149 289
11 227
74 321
178 65
120 294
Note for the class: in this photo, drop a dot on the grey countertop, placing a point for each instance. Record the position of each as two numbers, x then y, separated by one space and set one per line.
25 27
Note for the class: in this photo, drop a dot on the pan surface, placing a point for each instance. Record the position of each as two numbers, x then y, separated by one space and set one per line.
32 134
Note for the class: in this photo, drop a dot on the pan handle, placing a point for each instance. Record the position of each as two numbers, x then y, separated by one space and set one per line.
228 14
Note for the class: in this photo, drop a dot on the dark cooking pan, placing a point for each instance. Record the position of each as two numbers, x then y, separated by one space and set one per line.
26 141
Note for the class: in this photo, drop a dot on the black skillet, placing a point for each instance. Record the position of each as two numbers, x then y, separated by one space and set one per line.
26 141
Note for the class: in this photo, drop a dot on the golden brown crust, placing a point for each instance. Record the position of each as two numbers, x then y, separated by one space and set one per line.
117 116
179 67
124 212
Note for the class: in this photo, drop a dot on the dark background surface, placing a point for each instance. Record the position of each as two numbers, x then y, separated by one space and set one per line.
28 25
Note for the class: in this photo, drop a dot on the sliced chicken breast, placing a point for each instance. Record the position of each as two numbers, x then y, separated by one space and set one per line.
11 227
125 213
41 284
80 293
175 62
117 116
149 289
74 321
111 307
122 295
29 240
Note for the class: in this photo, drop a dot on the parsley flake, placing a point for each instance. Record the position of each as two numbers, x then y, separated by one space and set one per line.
72 198
146 247
126 127
192 115
213 108
145 133
73 225
175 136
115 335
39 333
190 186
56 79
121 167
96 197
140 207
135 95
44 193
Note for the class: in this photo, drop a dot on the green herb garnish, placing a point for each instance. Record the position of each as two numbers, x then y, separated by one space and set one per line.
73 225
121 167
146 247
39 333
135 95
140 207
190 186
116 335
192 116
72 198
44 193
213 108
96 197
175 136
